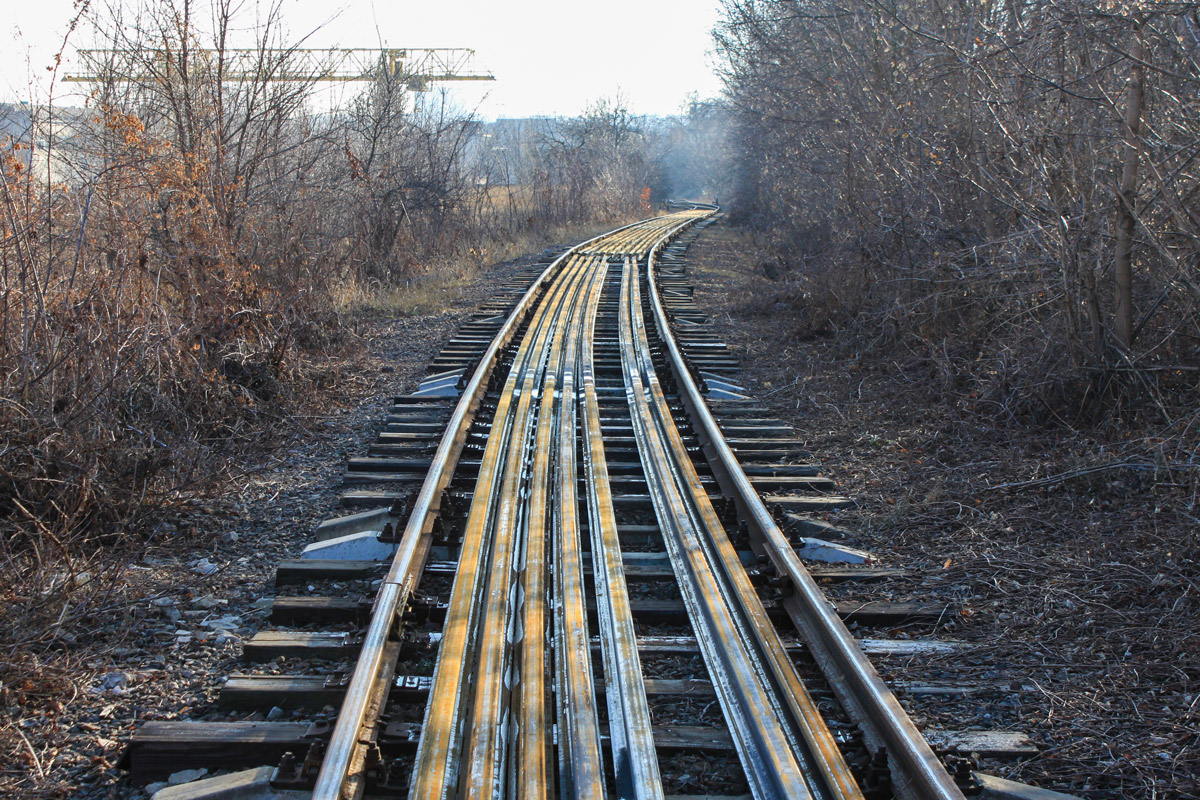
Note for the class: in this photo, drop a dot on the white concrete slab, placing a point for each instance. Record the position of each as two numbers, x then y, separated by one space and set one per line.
362 546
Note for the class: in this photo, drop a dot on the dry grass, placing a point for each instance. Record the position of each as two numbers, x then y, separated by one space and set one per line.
441 283
60 736
431 292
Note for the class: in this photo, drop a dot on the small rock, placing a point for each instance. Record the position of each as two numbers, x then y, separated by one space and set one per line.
225 637
205 567
153 788
275 713
226 623
173 614
264 603
114 683
163 602
208 602
186 776
229 537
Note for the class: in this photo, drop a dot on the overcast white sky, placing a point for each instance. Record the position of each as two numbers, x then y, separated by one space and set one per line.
549 56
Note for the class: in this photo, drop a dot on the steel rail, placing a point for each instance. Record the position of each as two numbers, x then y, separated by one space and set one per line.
635 760
483 648
464 739
341 774
533 720
487 718
348 741
581 757
917 772
763 744
532 741
471 656
820 754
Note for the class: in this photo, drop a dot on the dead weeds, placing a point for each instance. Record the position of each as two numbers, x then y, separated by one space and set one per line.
1071 552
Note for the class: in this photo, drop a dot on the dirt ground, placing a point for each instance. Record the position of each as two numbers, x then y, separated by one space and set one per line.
1079 574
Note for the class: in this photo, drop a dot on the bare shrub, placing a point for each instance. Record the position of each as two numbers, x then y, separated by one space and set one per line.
1005 187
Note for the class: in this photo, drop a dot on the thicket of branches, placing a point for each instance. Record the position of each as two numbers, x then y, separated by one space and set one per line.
1007 191
173 256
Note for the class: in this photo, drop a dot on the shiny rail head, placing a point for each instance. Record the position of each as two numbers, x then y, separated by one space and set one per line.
918 772
345 746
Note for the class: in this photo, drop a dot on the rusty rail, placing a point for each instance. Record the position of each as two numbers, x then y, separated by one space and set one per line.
515 652
917 772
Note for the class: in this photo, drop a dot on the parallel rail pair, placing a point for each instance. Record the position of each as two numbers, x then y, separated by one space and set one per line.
513 709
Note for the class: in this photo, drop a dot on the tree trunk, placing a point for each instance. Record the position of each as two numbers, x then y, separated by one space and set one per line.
1126 217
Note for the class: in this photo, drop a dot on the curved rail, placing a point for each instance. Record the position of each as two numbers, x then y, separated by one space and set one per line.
463 749
635 761
917 772
514 663
346 747
784 745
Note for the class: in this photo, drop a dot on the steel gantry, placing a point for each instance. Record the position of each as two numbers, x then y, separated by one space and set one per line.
416 66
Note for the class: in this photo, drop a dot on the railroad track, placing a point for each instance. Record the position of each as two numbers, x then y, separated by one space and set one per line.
577 588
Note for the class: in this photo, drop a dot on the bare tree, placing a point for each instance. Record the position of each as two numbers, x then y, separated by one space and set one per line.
996 174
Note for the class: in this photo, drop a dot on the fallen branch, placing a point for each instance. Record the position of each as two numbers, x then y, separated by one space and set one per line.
1061 477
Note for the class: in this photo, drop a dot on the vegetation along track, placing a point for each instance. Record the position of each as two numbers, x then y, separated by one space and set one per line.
579 591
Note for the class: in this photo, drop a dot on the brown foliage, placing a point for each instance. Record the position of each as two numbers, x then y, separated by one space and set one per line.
137 342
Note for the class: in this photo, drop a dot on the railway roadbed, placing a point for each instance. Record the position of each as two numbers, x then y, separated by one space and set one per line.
580 556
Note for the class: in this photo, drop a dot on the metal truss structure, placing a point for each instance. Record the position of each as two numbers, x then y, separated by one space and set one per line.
416 66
